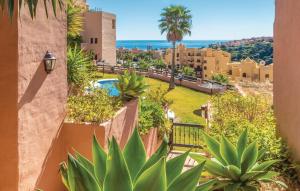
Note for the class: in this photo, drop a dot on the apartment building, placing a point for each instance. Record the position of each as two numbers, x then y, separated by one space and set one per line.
209 62
250 70
206 61
99 35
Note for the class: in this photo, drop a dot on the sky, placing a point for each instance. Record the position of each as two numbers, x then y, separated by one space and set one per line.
212 19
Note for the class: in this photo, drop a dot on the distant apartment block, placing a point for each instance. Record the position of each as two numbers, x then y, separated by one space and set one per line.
99 35
208 62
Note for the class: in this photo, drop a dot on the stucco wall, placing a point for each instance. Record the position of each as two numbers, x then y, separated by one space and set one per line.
287 71
8 102
79 137
108 38
41 96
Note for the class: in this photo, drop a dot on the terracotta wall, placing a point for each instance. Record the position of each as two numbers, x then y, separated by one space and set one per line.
287 71
79 137
41 96
8 102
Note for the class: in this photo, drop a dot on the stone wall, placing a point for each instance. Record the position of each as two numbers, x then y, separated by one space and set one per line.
287 71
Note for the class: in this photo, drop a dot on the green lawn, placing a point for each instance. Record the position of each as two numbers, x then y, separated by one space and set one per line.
186 102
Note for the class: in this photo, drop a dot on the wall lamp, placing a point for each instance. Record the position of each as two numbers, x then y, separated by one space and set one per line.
49 62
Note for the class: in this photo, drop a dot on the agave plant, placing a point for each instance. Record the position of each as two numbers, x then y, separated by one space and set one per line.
128 170
237 168
130 85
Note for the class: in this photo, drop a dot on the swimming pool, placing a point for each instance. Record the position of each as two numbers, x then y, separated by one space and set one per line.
109 85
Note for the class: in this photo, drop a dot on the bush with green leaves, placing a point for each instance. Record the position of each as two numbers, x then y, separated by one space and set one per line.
188 71
128 170
158 95
232 113
94 107
79 68
152 115
131 85
237 168
221 78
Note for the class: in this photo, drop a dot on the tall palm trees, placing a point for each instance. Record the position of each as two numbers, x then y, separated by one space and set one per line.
176 22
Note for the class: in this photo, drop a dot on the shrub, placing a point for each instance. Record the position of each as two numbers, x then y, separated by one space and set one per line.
131 85
79 66
188 71
128 170
158 95
152 115
220 78
237 167
232 113
95 107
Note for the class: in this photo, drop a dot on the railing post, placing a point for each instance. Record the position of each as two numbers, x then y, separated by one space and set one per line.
171 136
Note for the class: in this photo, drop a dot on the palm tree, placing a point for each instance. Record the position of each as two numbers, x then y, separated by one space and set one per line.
176 21
31 4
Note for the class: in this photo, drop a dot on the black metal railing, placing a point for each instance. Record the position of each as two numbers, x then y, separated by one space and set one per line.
186 135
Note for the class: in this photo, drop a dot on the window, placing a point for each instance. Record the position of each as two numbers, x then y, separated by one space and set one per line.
205 68
267 76
92 40
205 61
244 75
230 72
96 57
198 60
177 54
113 24
96 40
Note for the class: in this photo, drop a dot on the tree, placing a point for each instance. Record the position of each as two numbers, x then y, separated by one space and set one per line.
176 21
74 21
32 6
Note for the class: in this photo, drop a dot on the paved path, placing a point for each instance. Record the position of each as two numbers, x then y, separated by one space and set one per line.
189 163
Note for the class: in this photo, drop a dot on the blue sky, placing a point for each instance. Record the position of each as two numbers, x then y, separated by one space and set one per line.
212 19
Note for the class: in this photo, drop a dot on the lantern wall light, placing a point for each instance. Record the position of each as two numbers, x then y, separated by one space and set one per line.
49 62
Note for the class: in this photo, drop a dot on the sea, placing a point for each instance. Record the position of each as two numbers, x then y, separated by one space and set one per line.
163 44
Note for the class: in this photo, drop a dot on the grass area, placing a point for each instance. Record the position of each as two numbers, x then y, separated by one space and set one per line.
186 102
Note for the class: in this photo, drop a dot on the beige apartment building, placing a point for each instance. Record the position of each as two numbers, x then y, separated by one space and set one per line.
209 62
99 35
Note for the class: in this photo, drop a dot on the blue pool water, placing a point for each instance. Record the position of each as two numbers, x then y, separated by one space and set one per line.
109 85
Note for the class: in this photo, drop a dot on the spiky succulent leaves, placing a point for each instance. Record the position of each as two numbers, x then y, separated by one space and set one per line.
117 174
99 160
206 186
154 178
213 167
160 152
242 144
214 147
232 187
64 174
188 180
249 157
228 152
175 166
250 188
264 165
135 154
85 162
79 178
233 172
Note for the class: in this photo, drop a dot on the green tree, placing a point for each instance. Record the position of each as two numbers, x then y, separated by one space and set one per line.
176 22
74 21
188 71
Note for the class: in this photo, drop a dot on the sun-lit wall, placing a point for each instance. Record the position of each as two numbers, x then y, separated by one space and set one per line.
287 71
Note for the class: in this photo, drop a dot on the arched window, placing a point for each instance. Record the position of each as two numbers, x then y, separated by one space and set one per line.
244 75
205 68
230 72
267 76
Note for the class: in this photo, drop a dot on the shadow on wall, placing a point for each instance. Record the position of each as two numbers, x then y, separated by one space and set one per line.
35 84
